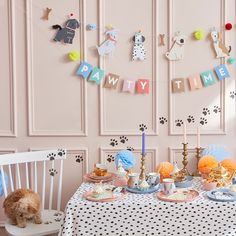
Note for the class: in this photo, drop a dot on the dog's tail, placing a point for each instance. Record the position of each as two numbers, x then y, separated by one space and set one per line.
56 27
229 49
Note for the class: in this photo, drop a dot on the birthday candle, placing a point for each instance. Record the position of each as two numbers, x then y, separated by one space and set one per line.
185 137
143 143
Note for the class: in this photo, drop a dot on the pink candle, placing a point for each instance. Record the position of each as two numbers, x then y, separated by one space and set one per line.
185 134
198 137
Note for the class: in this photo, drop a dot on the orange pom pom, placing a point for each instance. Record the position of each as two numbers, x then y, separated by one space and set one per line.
229 164
206 164
165 169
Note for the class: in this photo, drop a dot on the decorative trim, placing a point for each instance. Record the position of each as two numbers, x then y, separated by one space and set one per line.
12 72
153 151
103 131
32 131
171 67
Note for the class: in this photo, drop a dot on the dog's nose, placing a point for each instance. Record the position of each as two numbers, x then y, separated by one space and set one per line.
182 40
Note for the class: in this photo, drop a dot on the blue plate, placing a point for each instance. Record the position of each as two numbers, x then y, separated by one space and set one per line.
150 190
221 195
185 184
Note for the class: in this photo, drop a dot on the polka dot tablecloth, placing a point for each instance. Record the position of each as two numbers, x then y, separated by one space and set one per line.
141 215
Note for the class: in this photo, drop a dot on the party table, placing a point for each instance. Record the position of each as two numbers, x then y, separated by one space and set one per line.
144 214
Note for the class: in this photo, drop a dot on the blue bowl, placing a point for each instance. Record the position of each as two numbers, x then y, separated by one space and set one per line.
185 184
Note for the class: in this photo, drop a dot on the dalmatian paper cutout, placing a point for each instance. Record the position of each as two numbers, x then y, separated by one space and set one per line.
177 49
220 49
109 45
139 52
67 33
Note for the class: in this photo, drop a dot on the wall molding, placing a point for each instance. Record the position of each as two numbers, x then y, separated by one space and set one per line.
153 151
12 72
101 25
32 130
171 68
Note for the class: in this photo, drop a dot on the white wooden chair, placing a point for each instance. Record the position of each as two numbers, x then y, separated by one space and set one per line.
36 170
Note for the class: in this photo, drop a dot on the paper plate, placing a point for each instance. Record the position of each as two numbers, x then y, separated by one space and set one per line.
138 191
104 180
93 176
221 195
89 197
180 195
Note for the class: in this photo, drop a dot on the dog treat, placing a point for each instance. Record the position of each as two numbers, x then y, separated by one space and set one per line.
177 49
220 49
139 52
162 39
47 12
67 33
108 46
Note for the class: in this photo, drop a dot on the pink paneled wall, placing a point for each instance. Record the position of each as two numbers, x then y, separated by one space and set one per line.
44 105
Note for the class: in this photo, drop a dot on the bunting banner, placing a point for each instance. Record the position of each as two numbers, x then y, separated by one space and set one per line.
199 81
95 74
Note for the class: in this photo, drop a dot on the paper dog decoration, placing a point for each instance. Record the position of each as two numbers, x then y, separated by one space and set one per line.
108 46
177 49
67 33
139 52
220 49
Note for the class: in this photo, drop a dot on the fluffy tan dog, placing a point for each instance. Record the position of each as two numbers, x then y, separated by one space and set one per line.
22 205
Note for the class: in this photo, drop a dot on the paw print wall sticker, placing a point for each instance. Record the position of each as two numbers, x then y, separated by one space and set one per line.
79 158
52 172
110 158
51 156
123 139
113 142
162 120
130 149
216 109
203 121
205 111
142 127
190 119
61 152
232 94
179 122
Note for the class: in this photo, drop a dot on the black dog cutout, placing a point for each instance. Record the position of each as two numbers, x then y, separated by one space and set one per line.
67 33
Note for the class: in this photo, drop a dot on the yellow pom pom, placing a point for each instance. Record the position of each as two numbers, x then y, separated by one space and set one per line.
73 55
206 164
229 165
199 35
165 169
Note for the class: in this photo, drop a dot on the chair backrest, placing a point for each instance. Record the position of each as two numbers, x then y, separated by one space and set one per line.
31 165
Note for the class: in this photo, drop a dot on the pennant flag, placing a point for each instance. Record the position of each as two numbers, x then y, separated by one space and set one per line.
84 69
208 78
97 75
129 86
222 72
178 85
111 81
142 86
195 82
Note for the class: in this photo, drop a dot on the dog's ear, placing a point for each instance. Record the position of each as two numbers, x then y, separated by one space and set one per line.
219 35
133 39
31 209
209 36
143 38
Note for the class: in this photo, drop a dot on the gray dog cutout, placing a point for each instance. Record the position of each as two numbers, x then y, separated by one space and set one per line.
67 33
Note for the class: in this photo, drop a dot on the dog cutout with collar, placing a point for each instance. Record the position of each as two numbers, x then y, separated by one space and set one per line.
67 33
139 52
176 51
